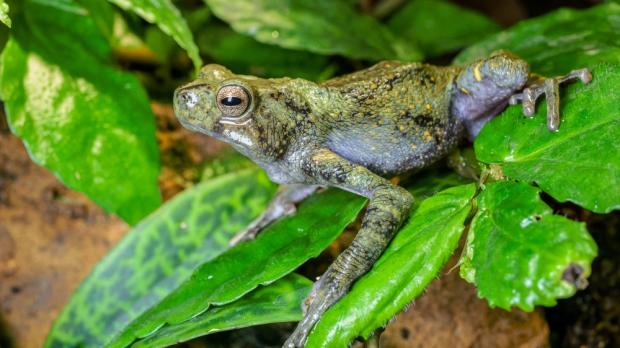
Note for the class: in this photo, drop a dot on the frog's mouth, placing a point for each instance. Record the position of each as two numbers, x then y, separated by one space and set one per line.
189 125
236 121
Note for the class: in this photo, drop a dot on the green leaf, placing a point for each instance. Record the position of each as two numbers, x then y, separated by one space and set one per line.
4 13
274 303
560 41
158 255
317 26
580 162
76 35
412 260
78 116
277 251
168 19
226 162
439 27
519 254
102 13
232 50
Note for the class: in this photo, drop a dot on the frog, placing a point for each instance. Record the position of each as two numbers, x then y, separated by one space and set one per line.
354 133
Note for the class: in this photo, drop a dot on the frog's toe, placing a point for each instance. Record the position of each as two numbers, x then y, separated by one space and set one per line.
247 234
305 306
515 99
550 87
527 98
299 336
324 294
530 95
582 74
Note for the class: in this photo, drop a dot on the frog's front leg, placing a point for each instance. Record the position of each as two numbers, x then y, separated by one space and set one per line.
550 87
484 88
283 204
388 207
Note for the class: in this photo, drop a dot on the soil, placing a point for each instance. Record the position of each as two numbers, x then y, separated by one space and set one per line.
50 237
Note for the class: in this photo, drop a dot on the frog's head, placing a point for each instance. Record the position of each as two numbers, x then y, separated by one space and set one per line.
215 99
255 115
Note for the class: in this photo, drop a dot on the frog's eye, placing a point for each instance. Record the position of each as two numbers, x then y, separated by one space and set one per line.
233 100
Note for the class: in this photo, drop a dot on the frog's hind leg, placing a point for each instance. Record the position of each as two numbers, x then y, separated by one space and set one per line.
550 87
388 207
283 204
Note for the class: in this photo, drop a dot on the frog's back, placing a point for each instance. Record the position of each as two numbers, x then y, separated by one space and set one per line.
397 116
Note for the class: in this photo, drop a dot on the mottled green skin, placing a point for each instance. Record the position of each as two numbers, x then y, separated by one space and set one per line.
349 132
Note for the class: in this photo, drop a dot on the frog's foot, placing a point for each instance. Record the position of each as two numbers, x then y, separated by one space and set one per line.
253 229
325 292
282 205
464 163
277 209
551 88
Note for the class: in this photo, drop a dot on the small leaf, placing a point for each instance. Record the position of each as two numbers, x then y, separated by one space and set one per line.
411 261
158 255
580 162
168 19
558 42
4 13
231 49
316 26
440 27
78 116
275 303
277 251
519 254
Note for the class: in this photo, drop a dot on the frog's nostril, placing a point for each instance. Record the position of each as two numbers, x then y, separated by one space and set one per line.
186 99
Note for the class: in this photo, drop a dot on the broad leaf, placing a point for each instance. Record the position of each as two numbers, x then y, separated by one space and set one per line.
439 27
274 303
519 254
411 261
277 251
78 116
4 13
558 42
76 35
158 255
168 19
244 55
316 26
103 14
580 162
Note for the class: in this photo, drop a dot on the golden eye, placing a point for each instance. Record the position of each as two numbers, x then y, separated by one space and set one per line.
233 100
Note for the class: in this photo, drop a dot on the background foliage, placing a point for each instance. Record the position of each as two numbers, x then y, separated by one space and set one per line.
81 115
